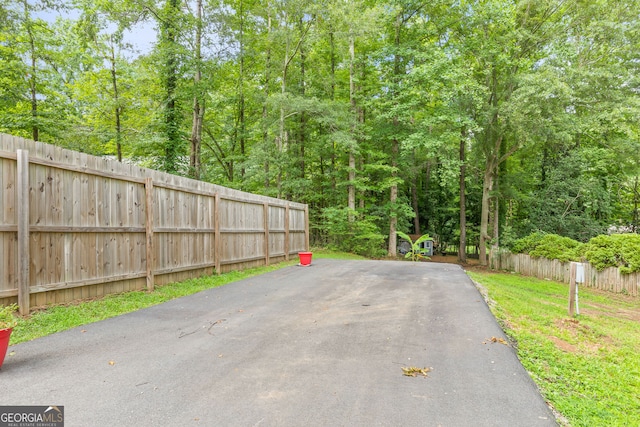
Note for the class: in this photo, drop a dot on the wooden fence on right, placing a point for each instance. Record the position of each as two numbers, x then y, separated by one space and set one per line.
609 279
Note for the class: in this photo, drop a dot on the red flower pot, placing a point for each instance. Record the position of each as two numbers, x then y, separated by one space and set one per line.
305 258
5 334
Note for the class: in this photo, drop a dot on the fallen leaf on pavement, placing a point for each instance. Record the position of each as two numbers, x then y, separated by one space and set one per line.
500 340
412 371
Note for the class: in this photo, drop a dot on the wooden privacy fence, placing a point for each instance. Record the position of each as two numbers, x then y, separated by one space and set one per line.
609 279
75 226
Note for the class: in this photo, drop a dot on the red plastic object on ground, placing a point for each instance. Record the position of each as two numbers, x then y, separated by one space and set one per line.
305 258
5 334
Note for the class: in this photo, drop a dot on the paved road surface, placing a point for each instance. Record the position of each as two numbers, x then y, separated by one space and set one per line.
322 345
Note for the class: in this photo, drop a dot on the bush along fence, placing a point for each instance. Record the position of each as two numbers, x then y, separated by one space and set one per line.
75 226
608 279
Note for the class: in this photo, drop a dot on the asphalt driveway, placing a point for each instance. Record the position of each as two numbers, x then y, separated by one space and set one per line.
302 346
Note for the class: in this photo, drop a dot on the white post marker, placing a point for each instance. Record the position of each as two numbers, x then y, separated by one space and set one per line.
579 279
576 275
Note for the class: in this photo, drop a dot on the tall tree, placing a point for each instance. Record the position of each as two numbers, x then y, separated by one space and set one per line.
29 44
169 18
505 43
198 98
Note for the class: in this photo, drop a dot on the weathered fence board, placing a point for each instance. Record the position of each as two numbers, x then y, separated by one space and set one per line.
609 279
90 226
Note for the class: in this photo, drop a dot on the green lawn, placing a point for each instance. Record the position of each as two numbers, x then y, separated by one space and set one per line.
588 366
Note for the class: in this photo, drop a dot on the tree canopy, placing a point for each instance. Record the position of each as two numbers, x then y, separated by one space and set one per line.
477 122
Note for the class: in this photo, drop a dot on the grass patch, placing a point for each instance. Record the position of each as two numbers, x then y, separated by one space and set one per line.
328 253
59 318
587 367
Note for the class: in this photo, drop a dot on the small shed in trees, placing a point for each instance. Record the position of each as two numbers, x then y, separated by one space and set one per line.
426 246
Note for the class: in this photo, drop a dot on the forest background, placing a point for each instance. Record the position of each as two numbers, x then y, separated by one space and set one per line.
477 122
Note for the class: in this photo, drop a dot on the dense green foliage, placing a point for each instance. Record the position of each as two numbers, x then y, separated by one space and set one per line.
377 114
550 246
616 250
8 318
361 237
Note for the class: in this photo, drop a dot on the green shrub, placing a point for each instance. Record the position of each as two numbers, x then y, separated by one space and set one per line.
616 250
528 243
361 236
550 246
557 247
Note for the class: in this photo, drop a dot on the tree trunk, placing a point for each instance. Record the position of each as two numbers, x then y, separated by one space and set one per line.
303 116
334 183
496 214
35 129
393 198
427 184
198 104
636 211
116 99
414 203
395 148
170 40
283 139
265 127
351 202
241 108
487 187
462 250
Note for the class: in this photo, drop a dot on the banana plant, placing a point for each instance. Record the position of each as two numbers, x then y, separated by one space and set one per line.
416 253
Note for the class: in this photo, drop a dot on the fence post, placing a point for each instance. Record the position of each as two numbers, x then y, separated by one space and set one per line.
24 260
572 288
306 228
266 232
148 189
286 232
216 232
